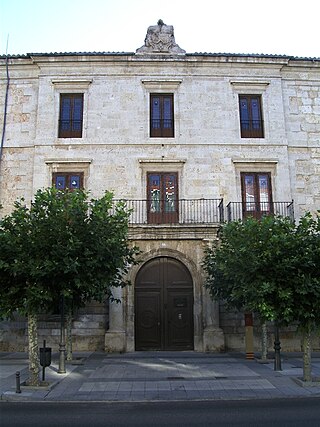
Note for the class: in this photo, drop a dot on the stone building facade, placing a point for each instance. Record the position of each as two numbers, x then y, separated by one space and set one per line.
189 140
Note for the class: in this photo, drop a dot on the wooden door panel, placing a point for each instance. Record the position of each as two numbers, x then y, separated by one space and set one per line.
164 306
176 275
148 320
180 320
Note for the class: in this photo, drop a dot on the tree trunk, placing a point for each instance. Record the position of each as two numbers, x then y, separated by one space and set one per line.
33 351
264 341
69 335
307 354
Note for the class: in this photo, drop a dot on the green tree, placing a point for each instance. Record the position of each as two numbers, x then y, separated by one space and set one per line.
270 267
64 246
305 280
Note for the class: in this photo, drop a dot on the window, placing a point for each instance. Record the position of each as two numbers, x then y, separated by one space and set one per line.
256 194
161 116
71 115
251 123
68 180
162 197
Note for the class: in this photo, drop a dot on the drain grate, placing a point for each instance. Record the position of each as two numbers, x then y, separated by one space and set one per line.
175 378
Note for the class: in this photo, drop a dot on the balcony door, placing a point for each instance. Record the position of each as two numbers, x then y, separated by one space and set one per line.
162 196
256 194
164 306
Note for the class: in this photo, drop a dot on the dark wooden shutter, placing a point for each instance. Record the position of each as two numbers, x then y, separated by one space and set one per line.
67 180
256 194
163 199
161 116
71 115
251 123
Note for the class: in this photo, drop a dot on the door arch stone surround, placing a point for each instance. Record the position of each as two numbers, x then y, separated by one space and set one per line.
198 292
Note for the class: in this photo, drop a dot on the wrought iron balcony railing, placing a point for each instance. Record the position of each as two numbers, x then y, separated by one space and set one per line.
180 211
239 210
251 128
70 128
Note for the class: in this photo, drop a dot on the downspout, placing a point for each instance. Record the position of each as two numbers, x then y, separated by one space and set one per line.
5 110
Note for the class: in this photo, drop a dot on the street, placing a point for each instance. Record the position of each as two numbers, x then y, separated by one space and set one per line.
283 412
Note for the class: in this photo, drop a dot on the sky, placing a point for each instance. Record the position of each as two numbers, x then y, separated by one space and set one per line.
280 27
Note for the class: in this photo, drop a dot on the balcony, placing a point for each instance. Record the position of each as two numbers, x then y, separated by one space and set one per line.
238 210
178 212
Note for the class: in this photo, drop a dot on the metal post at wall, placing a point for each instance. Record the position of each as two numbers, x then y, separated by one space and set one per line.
248 320
277 348
62 344
43 367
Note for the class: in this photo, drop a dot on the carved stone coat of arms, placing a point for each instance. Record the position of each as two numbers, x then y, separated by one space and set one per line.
160 39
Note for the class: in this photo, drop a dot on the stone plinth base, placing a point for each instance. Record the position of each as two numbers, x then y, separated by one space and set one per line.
213 339
114 342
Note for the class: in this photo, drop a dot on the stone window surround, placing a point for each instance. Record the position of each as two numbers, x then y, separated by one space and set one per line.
162 86
161 165
69 165
255 166
71 86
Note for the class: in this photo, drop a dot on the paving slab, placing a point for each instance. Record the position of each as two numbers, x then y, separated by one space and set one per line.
160 376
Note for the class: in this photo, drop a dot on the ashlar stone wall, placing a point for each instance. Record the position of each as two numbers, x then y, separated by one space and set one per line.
116 151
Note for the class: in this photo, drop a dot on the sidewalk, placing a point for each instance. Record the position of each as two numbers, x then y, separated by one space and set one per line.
159 376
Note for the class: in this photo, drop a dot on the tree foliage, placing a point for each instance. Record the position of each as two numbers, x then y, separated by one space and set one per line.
269 266
64 247
306 272
64 244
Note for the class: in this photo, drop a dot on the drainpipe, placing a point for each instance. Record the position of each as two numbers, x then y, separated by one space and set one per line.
5 109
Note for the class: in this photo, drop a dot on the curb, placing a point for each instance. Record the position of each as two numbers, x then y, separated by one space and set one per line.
314 383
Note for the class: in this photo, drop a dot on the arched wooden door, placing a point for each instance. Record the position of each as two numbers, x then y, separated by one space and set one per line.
164 306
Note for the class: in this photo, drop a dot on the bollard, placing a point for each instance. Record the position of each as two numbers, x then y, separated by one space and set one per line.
18 389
